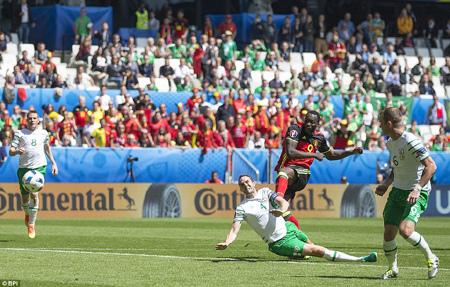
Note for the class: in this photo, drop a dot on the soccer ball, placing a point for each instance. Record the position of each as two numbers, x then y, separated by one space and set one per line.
33 181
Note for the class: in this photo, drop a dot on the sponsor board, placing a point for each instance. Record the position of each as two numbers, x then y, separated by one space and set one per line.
439 202
128 200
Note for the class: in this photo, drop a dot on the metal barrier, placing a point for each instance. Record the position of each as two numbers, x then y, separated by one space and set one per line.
241 165
272 162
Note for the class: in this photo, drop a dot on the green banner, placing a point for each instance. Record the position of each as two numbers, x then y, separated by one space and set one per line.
380 103
447 109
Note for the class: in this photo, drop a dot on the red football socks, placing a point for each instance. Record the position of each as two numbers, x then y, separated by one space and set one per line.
281 186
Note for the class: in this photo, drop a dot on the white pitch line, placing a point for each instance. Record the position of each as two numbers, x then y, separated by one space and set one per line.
199 258
198 250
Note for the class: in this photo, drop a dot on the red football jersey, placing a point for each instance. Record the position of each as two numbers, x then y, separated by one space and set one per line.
305 143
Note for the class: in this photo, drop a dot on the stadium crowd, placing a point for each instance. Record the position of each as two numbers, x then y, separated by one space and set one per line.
240 98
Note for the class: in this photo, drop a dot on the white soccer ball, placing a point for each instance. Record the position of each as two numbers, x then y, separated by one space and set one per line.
33 181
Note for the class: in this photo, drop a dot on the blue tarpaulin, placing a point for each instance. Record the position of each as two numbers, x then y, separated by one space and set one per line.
244 21
53 22
156 165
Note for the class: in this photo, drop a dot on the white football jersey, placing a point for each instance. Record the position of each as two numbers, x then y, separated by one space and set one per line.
255 211
33 143
406 154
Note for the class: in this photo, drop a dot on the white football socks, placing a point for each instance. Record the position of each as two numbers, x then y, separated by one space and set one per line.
25 207
419 242
339 256
34 207
390 251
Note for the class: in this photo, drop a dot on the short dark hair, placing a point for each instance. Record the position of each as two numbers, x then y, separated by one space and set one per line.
32 112
314 113
393 115
245 175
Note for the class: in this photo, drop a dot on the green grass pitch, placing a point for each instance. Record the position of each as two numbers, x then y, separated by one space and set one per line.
180 252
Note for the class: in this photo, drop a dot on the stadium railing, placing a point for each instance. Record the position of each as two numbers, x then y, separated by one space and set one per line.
274 155
241 165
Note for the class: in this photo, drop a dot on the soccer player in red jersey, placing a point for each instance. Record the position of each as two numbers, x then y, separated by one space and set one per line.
299 151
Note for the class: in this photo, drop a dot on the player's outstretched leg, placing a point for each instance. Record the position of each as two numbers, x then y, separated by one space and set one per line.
337 256
25 207
34 207
416 240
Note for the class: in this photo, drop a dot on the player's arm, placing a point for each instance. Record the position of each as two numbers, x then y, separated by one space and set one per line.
15 150
292 152
382 188
427 174
48 152
337 155
282 203
231 236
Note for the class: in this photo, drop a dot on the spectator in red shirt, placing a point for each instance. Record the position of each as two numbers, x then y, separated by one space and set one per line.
239 104
131 141
65 127
222 136
194 101
205 137
166 31
239 132
214 178
282 119
180 26
81 114
157 123
118 137
174 125
162 138
207 116
272 141
336 53
132 125
261 119
228 25
188 128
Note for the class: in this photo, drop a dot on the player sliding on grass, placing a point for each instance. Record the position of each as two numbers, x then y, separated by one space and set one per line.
262 210
30 144
299 151
412 170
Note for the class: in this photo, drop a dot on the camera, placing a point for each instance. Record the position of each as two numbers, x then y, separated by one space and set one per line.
131 159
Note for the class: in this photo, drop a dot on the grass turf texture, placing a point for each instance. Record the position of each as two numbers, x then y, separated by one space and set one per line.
180 252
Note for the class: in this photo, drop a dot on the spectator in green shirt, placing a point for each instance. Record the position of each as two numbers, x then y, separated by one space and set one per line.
264 86
83 27
228 48
439 144
179 50
257 63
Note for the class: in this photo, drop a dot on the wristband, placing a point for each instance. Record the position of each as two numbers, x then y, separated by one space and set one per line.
417 187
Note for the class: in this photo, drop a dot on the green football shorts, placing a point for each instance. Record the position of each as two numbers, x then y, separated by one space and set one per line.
22 171
292 244
397 209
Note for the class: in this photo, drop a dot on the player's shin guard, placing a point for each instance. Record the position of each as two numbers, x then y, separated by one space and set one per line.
281 184
25 207
390 251
338 256
419 242
289 217
34 207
